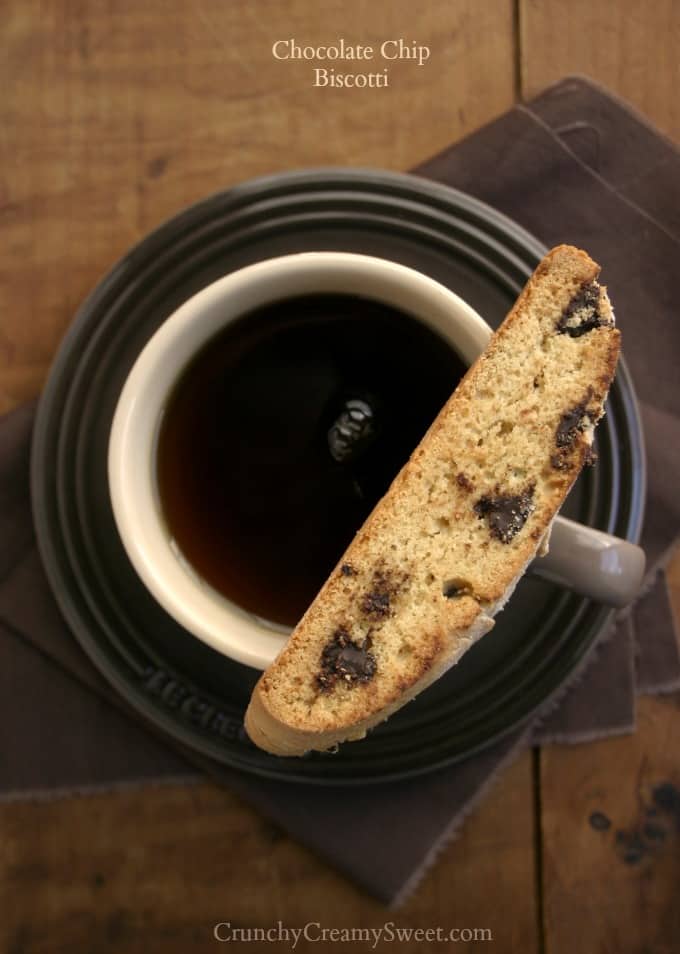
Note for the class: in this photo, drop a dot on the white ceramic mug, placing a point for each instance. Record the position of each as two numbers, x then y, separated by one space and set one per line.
586 560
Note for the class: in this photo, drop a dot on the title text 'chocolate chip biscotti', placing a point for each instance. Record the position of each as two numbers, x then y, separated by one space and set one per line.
443 550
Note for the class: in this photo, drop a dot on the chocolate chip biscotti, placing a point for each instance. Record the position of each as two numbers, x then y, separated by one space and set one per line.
443 550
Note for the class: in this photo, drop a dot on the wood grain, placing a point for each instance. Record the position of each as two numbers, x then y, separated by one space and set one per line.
617 887
156 869
611 890
116 116
629 46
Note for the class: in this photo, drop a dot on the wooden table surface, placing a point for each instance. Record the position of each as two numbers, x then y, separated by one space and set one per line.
116 115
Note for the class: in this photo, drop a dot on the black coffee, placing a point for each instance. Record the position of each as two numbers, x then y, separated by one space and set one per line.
284 432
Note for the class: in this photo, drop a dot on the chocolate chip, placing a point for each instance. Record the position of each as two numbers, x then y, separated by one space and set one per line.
667 797
348 570
464 482
346 661
635 853
376 603
572 423
599 821
582 314
505 514
654 832
631 846
452 589
559 462
590 457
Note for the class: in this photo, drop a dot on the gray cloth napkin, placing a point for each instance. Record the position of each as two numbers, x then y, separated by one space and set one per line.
556 166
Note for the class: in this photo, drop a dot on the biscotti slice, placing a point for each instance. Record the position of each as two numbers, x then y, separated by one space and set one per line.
443 550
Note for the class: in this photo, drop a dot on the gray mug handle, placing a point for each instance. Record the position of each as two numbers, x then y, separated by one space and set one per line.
592 563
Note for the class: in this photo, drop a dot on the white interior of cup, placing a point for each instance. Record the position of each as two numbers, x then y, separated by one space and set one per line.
132 446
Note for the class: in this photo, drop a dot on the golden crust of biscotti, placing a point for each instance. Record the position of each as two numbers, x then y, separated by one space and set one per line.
443 550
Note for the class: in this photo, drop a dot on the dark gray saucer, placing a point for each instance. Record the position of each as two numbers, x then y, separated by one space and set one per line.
170 677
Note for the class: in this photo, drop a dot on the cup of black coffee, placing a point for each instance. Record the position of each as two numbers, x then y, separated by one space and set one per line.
265 419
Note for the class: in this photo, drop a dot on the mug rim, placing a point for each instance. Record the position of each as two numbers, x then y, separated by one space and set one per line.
137 510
